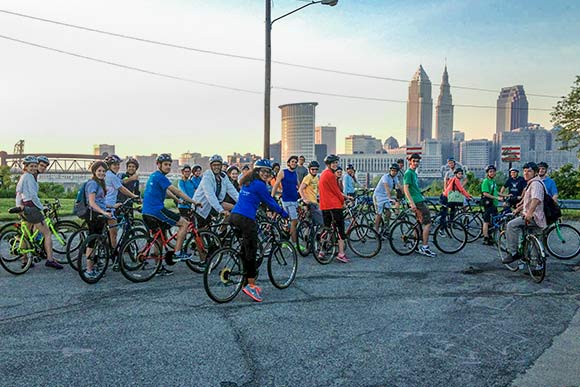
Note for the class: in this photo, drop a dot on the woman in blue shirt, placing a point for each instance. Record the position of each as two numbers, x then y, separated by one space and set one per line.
253 193
186 186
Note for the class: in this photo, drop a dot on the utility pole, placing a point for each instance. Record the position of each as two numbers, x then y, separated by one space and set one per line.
268 79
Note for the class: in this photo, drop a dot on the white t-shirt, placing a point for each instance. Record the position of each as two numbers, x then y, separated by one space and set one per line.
380 193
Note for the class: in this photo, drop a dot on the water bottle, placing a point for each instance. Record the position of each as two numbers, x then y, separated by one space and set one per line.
38 237
521 265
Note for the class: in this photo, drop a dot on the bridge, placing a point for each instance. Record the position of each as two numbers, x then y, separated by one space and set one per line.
60 163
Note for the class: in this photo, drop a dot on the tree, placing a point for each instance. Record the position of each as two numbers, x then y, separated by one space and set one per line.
568 182
473 184
566 115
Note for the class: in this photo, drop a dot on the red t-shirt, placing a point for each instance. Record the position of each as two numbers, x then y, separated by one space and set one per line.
330 194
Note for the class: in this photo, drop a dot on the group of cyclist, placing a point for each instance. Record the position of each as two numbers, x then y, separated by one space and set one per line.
237 193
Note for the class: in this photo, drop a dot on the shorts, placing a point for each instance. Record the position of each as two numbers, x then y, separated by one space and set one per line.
423 213
292 209
381 205
338 217
164 220
488 212
316 214
33 215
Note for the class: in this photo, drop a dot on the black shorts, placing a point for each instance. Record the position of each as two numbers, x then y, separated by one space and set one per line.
164 220
33 215
488 212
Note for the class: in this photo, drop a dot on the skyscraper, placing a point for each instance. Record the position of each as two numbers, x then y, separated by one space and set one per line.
444 114
326 135
419 108
512 109
298 130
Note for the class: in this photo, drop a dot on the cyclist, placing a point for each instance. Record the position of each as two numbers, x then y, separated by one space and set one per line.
349 181
332 201
155 215
233 173
514 186
288 179
95 192
301 170
401 177
253 192
453 184
130 179
532 211
548 181
275 170
309 192
448 171
382 197
27 199
185 185
43 163
338 175
114 185
196 176
489 200
212 191
417 202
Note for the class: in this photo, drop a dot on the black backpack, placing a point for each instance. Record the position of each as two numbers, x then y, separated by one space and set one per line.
552 210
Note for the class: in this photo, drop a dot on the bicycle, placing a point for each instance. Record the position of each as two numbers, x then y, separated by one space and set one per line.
225 275
562 240
532 251
20 246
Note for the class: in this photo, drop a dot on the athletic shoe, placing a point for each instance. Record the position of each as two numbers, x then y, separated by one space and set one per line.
54 265
115 266
511 258
163 271
342 258
182 256
426 251
253 292
91 274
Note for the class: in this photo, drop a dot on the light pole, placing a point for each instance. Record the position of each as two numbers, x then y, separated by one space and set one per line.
268 70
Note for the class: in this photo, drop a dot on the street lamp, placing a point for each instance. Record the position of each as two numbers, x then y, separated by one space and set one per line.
268 72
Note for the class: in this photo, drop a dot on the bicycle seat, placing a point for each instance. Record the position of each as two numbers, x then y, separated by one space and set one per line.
15 210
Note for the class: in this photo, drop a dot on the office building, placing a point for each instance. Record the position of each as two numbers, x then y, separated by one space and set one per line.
444 115
276 151
320 151
326 135
419 108
475 155
103 150
512 109
391 143
360 143
298 130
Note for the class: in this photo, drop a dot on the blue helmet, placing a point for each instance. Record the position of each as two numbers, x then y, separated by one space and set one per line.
43 159
30 160
263 163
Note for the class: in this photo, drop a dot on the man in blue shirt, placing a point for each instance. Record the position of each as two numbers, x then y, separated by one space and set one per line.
288 178
514 186
548 181
155 215
186 186
349 181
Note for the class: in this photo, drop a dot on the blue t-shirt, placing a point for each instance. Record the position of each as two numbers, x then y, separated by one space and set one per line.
113 183
290 186
155 191
94 187
187 187
196 182
250 198
515 186
550 186
348 183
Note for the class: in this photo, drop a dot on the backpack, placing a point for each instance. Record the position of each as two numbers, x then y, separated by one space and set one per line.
552 210
81 208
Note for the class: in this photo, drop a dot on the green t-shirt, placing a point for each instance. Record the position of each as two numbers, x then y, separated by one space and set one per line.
412 181
488 185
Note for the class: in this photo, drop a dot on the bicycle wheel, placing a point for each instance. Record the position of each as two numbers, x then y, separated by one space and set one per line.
63 230
325 247
14 252
563 241
503 252
304 235
224 275
72 247
404 237
473 225
140 258
210 242
98 258
536 260
364 241
283 264
450 238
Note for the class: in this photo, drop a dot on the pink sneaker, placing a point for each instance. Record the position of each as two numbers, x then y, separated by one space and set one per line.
342 258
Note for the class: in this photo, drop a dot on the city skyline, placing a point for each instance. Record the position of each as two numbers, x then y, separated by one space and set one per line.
57 102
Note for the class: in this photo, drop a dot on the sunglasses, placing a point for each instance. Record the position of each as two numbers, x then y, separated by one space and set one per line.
314 169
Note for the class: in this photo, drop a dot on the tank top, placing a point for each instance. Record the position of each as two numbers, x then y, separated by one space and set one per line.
290 186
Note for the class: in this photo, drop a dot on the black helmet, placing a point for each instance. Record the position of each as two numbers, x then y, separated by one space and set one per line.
133 161
457 171
514 170
331 159
349 166
451 159
112 159
339 168
164 157
313 164
542 164
395 167
490 167
400 161
532 165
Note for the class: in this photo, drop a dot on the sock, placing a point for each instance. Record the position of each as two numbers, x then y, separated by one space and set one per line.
177 252
425 246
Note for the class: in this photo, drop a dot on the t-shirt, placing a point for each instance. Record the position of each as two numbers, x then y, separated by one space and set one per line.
380 193
535 191
155 191
515 186
187 187
348 183
311 189
412 180
488 185
113 183
94 187
132 186
301 172
550 186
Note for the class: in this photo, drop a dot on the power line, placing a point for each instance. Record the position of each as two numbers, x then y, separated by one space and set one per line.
245 57
130 67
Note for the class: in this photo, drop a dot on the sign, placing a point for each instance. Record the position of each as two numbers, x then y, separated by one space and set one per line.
414 149
510 153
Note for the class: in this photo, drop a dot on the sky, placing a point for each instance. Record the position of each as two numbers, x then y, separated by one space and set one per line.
60 103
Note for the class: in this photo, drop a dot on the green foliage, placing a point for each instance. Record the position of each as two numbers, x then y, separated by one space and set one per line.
375 181
473 185
50 190
500 179
5 178
566 114
568 182
435 188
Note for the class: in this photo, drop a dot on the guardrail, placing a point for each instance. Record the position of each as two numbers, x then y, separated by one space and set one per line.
565 204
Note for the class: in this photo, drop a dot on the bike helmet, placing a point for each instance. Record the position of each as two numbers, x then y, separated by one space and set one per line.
490 167
164 157
112 159
532 165
245 167
415 156
195 167
514 170
43 159
349 166
457 171
395 167
451 159
400 161
542 164
216 159
293 157
133 161
339 168
185 166
331 159
263 163
30 160
313 164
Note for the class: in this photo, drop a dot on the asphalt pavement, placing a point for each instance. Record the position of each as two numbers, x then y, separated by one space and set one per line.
453 320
